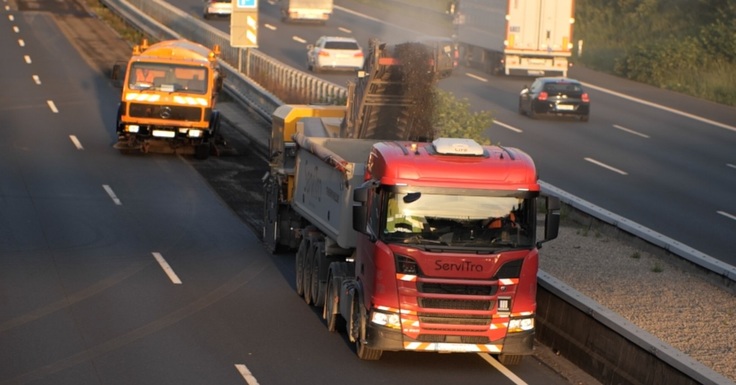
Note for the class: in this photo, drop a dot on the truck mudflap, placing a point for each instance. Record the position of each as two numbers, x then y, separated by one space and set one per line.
383 338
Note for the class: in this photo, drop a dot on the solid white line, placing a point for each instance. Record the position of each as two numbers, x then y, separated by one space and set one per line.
476 77
249 379
630 131
76 142
21 43
731 165
727 215
52 106
36 79
345 30
112 195
299 39
511 376
167 269
27 59
614 169
512 128
269 26
661 107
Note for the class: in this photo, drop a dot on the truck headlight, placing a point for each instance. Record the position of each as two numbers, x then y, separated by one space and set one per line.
194 133
391 320
132 128
521 324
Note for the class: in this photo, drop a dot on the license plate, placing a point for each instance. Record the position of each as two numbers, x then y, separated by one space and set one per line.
565 107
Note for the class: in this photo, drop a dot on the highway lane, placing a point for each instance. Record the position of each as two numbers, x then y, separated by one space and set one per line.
661 159
129 269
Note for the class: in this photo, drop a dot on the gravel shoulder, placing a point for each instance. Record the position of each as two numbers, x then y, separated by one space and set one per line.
672 300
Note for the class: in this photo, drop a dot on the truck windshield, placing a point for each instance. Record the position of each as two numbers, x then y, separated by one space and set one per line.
168 77
459 221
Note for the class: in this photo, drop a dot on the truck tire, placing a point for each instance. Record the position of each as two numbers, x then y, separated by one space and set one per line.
510 359
306 272
337 272
318 286
202 150
301 255
357 327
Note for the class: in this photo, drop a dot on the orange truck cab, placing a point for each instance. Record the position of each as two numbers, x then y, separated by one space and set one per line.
168 98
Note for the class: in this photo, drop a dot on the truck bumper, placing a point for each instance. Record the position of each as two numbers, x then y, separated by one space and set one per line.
386 339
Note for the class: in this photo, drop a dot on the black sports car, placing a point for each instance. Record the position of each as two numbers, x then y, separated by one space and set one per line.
555 96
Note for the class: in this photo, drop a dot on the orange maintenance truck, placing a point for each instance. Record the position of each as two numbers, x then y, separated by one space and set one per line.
168 98
413 243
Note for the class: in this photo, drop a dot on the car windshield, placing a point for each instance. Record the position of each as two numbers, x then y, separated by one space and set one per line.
167 77
343 45
457 221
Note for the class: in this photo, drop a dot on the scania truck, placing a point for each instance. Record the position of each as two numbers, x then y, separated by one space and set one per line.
406 241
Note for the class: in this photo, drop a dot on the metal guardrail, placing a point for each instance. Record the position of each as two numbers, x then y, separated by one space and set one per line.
149 15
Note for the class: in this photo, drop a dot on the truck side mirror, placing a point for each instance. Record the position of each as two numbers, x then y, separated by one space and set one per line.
218 83
115 74
551 219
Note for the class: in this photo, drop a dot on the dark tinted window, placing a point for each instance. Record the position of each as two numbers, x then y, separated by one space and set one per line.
563 87
348 45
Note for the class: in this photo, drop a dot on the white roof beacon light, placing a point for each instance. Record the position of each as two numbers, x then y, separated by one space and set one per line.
457 146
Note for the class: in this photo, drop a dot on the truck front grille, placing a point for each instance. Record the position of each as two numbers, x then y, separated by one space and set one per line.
439 303
453 319
191 114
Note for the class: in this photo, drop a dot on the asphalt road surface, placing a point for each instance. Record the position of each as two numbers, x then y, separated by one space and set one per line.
134 269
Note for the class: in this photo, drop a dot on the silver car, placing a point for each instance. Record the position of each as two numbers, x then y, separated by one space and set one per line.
223 8
334 53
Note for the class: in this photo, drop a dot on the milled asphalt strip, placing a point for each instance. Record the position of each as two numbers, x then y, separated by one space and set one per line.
230 286
75 297
661 107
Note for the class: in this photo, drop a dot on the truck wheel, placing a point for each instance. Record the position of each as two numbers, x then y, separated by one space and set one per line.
306 273
356 322
331 300
510 359
318 288
202 151
301 255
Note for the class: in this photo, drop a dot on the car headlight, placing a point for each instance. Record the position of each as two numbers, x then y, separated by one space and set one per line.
391 320
521 324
